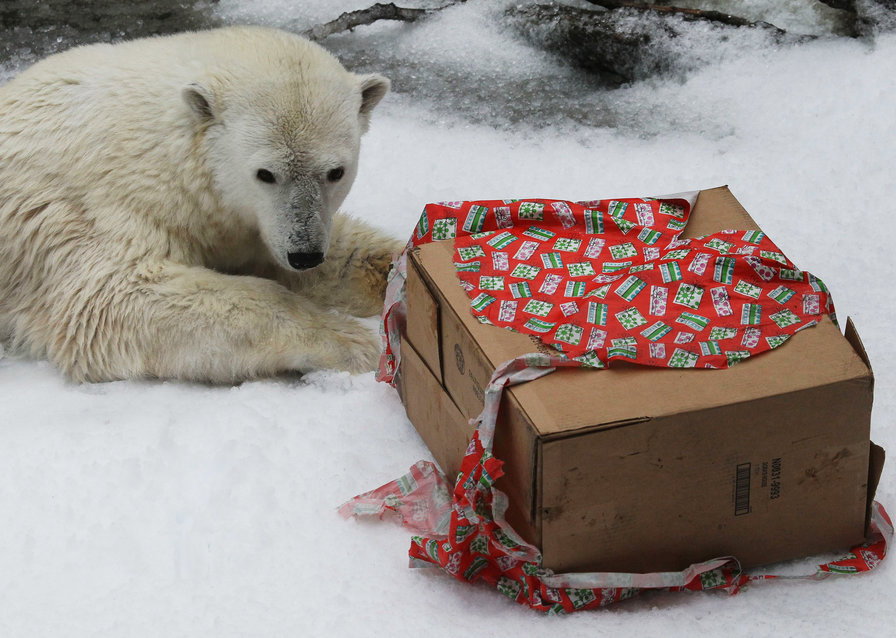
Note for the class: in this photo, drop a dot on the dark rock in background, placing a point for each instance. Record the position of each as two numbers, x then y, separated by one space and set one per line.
33 29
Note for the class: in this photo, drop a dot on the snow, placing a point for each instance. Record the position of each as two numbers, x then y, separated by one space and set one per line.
158 508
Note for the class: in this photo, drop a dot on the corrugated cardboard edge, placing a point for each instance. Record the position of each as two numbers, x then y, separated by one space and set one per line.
724 195
852 335
875 466
877 455
524 527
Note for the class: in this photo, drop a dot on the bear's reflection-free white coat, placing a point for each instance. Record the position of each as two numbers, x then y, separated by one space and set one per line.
163 203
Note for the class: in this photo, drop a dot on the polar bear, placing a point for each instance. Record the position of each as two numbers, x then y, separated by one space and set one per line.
168 209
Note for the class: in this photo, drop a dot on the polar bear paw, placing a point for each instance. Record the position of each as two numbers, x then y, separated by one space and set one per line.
352 347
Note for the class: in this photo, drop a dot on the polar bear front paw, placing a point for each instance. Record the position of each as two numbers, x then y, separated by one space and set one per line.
351 347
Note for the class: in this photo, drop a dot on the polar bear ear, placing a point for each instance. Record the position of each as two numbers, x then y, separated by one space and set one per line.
373 88
200 101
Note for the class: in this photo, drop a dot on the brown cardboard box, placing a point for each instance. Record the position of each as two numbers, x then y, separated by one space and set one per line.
639 469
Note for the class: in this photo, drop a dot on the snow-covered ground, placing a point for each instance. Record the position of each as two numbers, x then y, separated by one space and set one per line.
169 509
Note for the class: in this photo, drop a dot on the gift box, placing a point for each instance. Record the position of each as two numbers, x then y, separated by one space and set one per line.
642 469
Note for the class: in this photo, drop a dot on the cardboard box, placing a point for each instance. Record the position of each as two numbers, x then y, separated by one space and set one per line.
638 469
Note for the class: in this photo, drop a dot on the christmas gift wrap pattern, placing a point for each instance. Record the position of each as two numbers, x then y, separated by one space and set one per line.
464 531
665 296
597 280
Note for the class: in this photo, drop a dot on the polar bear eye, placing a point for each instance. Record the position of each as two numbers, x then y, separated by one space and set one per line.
265 176
336 174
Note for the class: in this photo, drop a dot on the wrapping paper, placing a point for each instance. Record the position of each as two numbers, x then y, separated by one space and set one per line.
597 281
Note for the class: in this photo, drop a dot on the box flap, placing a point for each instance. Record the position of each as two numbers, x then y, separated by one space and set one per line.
716 209
877 457
571 400
852 336
423 331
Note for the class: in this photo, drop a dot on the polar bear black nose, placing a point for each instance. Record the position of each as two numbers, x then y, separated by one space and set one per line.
302 261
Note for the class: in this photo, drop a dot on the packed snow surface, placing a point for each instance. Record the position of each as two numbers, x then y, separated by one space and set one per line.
157 508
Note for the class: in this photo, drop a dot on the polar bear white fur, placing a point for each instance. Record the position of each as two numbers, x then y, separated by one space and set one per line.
166 203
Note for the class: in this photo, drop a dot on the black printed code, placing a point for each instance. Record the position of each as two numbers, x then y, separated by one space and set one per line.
742 489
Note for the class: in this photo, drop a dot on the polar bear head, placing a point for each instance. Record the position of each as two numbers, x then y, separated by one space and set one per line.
283 152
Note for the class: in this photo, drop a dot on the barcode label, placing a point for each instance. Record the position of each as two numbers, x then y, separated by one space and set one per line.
742 489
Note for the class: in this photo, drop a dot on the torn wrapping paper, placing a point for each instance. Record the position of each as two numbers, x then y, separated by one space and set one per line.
597 281
611 279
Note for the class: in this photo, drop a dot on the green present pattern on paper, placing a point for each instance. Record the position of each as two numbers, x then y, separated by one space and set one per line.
710 348
590 360
509 587
581 269
817 284
785 318
649 236
631 318
600 292
782 294
678 254
657 331
581 597
776 341
747 289
774 256
719 333
444 229
615 266
693 321
568 245
597 313
537 307
719 244
688 295
624 225
471 252
676 225
539 233
712 579
617 209
621 251
753 236
569 333
683 359
673 210
479 545
751 314
670 272
539 325
552 260
723 271
475 219
630 288
736 356
524 271
790 274
477 564
491 283
501 240
574 289
472 266
532 211
622 351
594 222
520 290
423 225
482 301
